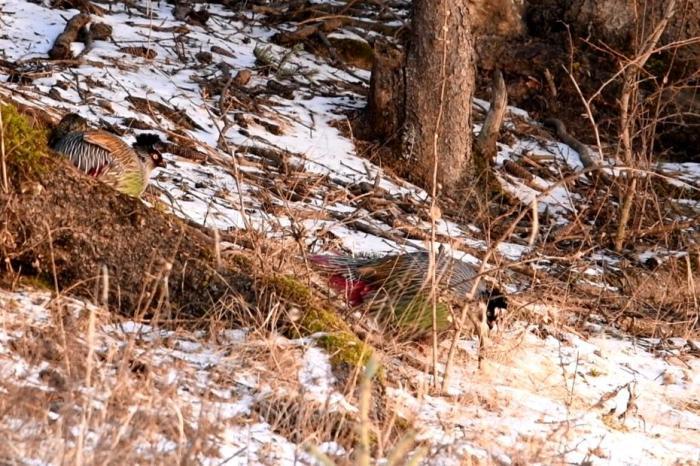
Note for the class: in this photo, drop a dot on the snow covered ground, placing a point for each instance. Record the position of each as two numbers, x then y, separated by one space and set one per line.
166 394
545 394
226 192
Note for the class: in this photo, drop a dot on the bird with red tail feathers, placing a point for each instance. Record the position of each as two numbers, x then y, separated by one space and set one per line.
400 283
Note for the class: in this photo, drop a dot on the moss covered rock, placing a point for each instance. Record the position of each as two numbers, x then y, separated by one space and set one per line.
337 337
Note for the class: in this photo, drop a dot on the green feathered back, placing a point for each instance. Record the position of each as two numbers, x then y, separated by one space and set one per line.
414 315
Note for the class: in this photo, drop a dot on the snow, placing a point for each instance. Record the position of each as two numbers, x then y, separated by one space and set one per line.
605 398
317 381
534 390
187 372
689 172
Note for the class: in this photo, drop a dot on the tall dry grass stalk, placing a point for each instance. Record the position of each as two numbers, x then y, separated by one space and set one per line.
3 161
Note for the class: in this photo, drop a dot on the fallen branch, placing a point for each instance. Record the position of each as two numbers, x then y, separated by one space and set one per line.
61 48
486 141
564 136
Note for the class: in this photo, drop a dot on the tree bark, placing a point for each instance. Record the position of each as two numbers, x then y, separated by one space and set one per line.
485 148
624 24
385 102
440 77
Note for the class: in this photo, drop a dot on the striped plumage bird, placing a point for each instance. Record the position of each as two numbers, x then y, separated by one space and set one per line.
400 284
106 156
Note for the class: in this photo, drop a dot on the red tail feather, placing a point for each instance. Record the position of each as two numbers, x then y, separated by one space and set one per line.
354 290
340 277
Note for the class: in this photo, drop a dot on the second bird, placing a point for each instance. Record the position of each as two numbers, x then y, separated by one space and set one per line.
106 156
400 283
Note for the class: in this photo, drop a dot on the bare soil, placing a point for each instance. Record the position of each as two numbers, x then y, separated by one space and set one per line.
63 228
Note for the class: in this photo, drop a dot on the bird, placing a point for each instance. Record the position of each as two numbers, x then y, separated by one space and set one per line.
400 283
105 156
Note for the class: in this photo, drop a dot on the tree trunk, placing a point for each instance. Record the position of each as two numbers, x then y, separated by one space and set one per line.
439 86
624 24
385 102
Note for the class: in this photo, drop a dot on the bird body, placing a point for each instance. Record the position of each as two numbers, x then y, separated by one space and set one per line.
401 283
105 156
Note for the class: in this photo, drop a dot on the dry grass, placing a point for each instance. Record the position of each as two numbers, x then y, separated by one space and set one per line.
171 393
161 396
147 398
80 390
121 399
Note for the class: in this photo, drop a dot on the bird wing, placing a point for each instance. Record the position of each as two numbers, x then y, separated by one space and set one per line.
107 149
357 268
343 266
88 151
395 278
407 275
378 270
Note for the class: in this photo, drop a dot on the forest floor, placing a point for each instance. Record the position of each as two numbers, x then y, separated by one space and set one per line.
597 361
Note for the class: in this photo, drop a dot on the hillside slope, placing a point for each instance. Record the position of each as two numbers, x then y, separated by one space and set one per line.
270 161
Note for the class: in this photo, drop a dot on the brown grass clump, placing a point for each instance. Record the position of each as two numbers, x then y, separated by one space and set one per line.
69 229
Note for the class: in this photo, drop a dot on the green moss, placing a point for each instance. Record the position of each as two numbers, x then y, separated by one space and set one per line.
25 145
242 261
339 340
291 289
37 282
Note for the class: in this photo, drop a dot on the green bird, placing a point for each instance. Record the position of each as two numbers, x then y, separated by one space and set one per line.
107 157
397 287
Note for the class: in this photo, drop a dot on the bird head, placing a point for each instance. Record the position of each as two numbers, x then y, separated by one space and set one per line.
496 300
148 146
156 158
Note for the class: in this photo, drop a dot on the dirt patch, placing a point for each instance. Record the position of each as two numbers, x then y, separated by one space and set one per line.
65 228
